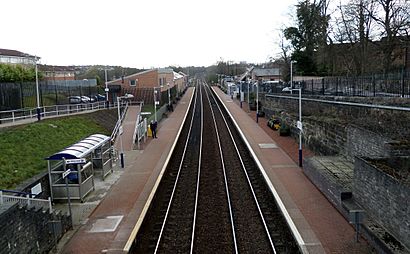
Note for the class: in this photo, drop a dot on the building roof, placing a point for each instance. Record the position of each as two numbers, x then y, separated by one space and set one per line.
183 74
54 68
129 76
266 72
246 73
82 148
15 53
177 76
165 70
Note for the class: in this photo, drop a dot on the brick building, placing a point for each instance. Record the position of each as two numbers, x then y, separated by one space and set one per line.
57 73
141 84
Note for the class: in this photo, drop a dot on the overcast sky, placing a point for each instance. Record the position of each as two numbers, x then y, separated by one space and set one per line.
144 33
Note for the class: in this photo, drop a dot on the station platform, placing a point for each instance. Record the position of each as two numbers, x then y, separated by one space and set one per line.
109 226
322 228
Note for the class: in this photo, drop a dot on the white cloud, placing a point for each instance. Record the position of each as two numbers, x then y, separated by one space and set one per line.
143 33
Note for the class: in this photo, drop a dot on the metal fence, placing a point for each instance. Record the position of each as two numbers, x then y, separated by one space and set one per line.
24 94
47 111
383 85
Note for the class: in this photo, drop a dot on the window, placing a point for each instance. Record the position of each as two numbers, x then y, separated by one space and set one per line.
134 82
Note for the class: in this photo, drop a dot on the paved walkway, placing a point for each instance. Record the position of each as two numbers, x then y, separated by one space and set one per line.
322 227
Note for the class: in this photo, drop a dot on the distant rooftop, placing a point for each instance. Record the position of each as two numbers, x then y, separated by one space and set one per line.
15 53
266 72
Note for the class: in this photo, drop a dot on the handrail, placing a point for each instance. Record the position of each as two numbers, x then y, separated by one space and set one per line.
21 114
44 203
134 136
118 124
16 192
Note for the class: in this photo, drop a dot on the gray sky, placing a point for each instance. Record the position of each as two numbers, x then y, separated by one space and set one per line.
144 33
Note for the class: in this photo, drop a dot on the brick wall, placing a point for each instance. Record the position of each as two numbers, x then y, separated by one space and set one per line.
30 231
384 198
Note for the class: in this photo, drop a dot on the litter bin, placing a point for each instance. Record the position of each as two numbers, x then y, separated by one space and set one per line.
149 132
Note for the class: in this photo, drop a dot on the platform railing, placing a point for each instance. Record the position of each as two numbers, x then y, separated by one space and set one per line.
27 200
47 111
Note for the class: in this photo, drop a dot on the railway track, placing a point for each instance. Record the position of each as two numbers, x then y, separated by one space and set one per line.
212 197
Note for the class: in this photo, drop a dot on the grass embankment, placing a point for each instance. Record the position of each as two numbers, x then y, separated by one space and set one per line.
23 148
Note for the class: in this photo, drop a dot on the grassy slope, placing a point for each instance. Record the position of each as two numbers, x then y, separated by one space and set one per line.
23 148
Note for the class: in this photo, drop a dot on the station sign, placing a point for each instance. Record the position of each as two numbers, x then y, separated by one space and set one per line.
76 161
66 173
299 125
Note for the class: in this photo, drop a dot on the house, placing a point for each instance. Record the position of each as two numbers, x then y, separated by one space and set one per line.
261 74
265 74
9 56
142 84
57 73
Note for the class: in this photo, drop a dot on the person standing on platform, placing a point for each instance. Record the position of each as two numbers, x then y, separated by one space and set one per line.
154 129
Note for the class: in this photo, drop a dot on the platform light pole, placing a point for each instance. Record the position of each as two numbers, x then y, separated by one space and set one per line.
37 91
257 102
106 89
169 95
120 130
248 96
291 77
299 125
155 104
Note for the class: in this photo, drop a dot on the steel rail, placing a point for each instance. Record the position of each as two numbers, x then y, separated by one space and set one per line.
247 177
224 173
199 171
177 177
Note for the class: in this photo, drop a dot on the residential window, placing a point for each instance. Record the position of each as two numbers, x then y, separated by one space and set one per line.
133 82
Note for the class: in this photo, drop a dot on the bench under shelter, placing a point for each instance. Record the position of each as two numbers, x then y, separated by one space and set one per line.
96 152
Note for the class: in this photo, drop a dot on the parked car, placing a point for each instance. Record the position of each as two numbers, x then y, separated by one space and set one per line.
99 97
74 99
85 99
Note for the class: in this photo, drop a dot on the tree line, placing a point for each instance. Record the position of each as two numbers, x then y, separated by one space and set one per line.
17 73
353 37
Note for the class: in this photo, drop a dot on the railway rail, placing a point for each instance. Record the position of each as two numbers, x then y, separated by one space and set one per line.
212 197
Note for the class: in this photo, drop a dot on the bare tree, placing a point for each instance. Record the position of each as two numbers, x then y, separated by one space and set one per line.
353 30
284 55
393 19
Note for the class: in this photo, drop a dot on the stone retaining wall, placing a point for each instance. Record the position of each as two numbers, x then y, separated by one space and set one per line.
27 230
345 130
384 198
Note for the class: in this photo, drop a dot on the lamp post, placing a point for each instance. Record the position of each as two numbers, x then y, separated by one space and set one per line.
155 104
37 92
299 125
120 130
169 95
106 89
248 97
291 77
257 102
